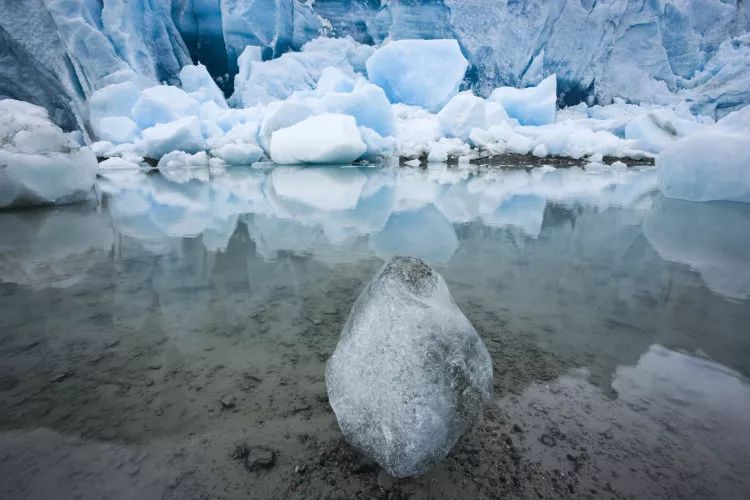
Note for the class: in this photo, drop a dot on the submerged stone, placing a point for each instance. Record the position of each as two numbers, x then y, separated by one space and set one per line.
410 374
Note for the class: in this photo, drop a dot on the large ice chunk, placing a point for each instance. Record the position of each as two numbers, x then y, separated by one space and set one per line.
326 138
333 80
367 104
198 83
530 106
162 104
425 73
117 129
116 100
659 127
39 163
277 115
179 135
410 374
467 111
710 164
266 81
238 154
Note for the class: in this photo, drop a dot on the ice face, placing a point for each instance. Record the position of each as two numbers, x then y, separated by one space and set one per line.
410 374
712 163
425 73
57 53
39 164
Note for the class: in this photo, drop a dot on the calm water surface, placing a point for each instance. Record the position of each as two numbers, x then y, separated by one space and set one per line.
618 322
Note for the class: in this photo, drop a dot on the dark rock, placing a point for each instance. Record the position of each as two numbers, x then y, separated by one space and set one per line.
259 458
228 401
547 440
385 480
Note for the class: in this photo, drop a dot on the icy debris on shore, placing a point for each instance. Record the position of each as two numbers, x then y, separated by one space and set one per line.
39 163
402 96
712 163
410 374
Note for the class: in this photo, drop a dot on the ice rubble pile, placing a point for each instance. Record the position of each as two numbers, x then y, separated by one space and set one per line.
39 163
337 101
410 374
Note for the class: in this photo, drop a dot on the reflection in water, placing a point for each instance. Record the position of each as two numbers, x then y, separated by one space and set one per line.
404 211
670 415
52 247
712 238
250 273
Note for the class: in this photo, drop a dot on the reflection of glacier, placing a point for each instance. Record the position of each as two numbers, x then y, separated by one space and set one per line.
667 382
682 415
401 211
712 238
56 248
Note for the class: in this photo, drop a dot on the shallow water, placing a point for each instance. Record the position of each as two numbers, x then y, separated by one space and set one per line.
617 320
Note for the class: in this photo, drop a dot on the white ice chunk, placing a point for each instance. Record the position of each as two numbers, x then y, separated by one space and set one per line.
178 159
39 163
117 129
238 154
710 164
180 135
657 128
425 73
279 78
163 104
530 106
279 115
326 138
376 144
116 100
118 163
333 79
463 113
198 83
367 104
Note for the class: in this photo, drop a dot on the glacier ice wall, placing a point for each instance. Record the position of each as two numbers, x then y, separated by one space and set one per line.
57 52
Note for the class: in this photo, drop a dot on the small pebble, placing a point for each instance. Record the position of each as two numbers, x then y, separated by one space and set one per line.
547 440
